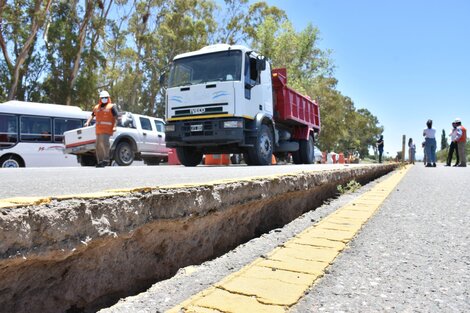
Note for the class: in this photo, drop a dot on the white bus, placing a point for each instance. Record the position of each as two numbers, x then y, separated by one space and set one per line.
31 134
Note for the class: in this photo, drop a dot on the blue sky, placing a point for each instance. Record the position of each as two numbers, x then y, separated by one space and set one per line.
405 61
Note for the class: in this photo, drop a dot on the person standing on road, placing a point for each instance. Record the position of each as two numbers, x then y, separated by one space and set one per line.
106 116
411 151
380 147
461 140
429 134
453 146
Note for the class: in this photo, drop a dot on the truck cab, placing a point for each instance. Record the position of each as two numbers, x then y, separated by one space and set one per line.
220 100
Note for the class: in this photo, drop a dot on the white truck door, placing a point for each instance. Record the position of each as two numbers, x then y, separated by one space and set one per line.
149 135
161 144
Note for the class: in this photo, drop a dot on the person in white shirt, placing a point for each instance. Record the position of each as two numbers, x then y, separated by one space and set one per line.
429 134
453 146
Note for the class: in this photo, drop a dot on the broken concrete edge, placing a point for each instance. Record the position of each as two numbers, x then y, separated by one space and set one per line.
16 202
65 224
85 254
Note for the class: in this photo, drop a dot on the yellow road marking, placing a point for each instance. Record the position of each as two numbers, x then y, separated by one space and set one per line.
278 281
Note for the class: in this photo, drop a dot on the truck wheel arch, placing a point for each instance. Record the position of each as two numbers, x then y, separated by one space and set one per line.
127 138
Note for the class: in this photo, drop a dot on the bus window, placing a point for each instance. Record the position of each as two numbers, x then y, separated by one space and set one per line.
8 130
62 125
35 128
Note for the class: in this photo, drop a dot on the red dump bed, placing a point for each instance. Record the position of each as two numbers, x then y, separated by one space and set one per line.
292 108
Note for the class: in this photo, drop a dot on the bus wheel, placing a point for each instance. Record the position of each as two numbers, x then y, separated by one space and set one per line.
124 155
11 161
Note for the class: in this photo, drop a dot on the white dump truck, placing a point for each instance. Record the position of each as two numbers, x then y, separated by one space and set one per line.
137 137
226 99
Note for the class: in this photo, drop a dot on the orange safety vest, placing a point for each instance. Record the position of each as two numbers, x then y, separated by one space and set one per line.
463 138
104 118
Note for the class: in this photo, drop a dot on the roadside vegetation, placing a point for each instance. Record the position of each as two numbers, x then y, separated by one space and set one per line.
66 51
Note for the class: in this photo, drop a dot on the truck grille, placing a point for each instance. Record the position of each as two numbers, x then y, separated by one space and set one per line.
200 110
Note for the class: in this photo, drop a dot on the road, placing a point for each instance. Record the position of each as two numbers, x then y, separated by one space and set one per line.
412 256
56 181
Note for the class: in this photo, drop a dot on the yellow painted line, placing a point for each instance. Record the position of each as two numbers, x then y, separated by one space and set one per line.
276 282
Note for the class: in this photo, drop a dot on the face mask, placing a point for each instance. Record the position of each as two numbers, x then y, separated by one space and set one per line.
104 100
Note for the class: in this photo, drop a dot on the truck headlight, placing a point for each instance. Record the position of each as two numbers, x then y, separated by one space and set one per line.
169 128
233 124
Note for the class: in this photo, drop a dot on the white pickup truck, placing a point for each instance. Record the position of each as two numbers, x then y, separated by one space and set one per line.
137 137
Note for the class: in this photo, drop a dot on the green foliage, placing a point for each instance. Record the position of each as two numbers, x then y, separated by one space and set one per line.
350 187
82 47
444 143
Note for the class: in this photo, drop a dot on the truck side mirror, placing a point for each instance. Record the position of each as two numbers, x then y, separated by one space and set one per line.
260 64
161 79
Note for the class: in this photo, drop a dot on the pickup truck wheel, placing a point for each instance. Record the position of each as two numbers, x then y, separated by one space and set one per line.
87 160
261 153
124 155
189 156
307 151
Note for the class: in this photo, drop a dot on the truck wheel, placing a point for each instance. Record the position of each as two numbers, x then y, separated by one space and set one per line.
152 161
261 153
87 160
189 156
236 158
306 150
11 161
296 157
124 155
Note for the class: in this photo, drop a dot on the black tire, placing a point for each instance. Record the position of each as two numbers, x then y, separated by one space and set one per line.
189 156
124 154
262 152
152 161
307 153
87 160
235 158
296 158
11 161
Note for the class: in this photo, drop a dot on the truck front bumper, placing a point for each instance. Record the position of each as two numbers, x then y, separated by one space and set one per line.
205 133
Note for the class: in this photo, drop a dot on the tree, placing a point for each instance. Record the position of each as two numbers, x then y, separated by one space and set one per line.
20 22
444 144
71 50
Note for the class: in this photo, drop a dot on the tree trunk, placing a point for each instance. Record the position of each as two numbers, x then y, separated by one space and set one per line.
29 44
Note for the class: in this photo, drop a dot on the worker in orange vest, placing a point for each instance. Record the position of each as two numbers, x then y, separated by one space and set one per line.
461 140
106 116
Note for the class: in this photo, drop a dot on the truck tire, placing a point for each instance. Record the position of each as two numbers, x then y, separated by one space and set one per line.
307 153
87 160
261 153
189 156
152 161
296 158
124 154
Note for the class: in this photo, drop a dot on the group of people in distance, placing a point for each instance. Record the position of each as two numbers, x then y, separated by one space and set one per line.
458 138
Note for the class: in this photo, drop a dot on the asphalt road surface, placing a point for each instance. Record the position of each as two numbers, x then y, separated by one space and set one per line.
55 181
412 256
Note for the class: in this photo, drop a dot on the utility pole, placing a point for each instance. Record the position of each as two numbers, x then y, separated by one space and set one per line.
403 149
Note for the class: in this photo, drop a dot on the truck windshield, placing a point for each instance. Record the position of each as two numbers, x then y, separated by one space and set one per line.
199 69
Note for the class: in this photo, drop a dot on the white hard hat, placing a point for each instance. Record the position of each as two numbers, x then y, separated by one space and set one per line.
457 120
104 94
